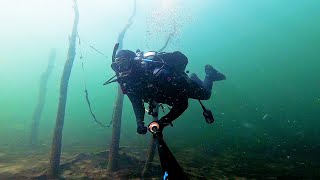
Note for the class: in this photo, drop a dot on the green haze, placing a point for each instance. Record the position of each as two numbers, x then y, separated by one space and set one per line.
268 49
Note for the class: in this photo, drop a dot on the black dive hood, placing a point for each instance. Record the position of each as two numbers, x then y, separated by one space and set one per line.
146 57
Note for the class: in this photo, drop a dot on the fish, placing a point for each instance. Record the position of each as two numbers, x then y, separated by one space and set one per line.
265 116
248 125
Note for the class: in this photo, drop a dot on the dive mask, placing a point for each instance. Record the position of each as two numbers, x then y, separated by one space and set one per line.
121 65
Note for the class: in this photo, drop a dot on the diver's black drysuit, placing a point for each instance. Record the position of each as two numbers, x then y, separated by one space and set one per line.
167 84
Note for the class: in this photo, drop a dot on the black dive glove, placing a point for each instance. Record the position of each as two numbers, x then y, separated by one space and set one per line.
165 122
141 129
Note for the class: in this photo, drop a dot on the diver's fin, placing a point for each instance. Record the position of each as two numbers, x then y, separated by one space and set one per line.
214 74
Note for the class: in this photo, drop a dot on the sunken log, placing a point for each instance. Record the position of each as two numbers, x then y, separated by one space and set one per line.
171 35
166 43
116 129
54 164
117 112
41 99
151 150
152 143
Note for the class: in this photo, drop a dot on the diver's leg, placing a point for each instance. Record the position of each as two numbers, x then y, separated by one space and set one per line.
196 90
207 84
202 90
196 79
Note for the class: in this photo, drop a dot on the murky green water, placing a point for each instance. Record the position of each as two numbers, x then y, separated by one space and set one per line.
266 111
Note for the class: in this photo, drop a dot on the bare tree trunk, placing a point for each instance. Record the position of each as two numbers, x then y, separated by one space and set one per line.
152 144
117 113
54 169
166 43
172 34
41 101
116 129
151 150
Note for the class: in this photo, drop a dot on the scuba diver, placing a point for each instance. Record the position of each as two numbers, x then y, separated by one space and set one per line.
159 77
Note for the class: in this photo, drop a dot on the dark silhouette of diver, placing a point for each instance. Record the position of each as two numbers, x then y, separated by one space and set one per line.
157 77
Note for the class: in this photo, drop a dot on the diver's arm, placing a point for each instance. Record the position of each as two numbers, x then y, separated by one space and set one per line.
138 107
176 111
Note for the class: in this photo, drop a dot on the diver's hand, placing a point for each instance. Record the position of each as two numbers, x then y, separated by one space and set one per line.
141 129
154 127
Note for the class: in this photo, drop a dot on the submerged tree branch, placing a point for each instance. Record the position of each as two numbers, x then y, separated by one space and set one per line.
117 112
42 98
54 169
168 39
127 26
